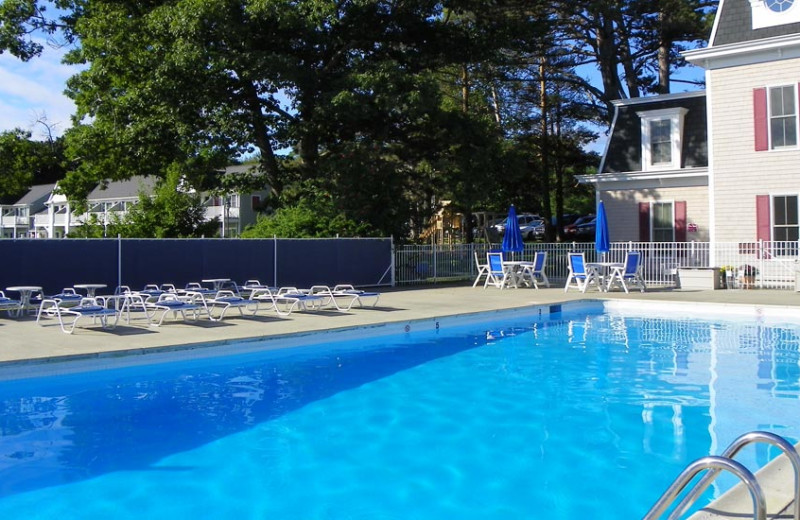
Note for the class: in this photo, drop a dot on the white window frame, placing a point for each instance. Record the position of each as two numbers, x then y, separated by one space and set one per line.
794 146
772 224
653 219
676 117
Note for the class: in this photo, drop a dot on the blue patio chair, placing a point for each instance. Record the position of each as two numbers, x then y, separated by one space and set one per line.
581 275
629 273
533 270
498 274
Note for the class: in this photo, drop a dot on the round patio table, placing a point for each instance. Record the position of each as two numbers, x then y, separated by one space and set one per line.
90 288
25 293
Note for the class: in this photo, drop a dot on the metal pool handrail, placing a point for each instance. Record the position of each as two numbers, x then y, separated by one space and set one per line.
732 451
716 464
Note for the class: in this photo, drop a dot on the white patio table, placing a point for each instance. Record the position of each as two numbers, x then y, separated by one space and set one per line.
25 293
90 288
602 269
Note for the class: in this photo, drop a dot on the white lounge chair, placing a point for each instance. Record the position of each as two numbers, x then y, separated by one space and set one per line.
629 273
10 305
347 290
86 308
342 297
581 275
227 299
168 302
286 300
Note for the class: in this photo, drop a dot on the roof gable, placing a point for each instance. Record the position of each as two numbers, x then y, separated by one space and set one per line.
127 189
734 24
36 194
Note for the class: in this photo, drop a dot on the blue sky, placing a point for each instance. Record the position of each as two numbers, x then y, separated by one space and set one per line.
31 90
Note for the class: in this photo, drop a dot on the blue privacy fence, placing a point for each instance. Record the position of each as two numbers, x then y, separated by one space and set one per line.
54 264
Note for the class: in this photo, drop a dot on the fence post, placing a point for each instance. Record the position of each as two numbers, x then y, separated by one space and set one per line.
394 264
119 260
433 245
275 261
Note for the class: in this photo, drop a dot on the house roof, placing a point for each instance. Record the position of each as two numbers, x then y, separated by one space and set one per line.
127 189
242 168
38 193
734 24
624 149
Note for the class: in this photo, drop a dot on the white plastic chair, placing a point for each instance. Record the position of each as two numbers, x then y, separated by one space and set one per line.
536 269
581 274
628 273
498 274
483 269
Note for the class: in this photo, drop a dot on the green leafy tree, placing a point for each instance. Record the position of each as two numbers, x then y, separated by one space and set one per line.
313 215
170 212
24 162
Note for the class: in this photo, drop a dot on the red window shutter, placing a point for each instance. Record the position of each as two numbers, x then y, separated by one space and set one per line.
680 221
255 202
763 225
644 222
760 119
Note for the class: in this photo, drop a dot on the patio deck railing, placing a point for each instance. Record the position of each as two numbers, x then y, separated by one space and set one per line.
775 263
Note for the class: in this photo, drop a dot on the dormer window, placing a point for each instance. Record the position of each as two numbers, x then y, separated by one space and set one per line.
769 13
662 132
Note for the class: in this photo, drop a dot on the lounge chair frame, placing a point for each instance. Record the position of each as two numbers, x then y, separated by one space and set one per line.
87 308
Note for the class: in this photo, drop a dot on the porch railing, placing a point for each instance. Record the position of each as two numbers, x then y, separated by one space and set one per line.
775 263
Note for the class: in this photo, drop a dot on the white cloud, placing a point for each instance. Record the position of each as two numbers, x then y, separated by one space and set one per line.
34 89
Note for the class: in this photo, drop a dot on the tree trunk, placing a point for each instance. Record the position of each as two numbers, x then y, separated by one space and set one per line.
465 89
607 62
269 163
664 45
543 107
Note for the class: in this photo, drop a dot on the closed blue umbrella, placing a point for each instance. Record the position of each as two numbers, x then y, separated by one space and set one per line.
512 239
601 242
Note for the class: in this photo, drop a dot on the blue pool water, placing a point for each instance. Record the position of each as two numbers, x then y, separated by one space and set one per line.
573 415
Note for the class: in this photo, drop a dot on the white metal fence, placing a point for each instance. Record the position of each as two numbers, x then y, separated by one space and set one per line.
775 263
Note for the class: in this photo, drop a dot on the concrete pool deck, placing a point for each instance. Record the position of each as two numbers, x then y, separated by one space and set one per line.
22 342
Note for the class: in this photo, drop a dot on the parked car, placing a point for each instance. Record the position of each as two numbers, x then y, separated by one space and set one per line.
533 230
586 231
571 230
528 224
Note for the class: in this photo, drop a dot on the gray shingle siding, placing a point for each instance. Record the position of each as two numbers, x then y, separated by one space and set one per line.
624 152
735 25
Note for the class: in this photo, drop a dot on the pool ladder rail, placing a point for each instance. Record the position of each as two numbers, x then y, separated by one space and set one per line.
714 465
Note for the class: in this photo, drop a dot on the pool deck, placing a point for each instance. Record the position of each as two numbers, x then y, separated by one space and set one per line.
23 343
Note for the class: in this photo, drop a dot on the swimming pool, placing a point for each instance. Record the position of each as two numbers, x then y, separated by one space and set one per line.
533 415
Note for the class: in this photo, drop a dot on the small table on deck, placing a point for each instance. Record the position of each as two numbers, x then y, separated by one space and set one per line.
25 293
90 288
602 268
217 282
